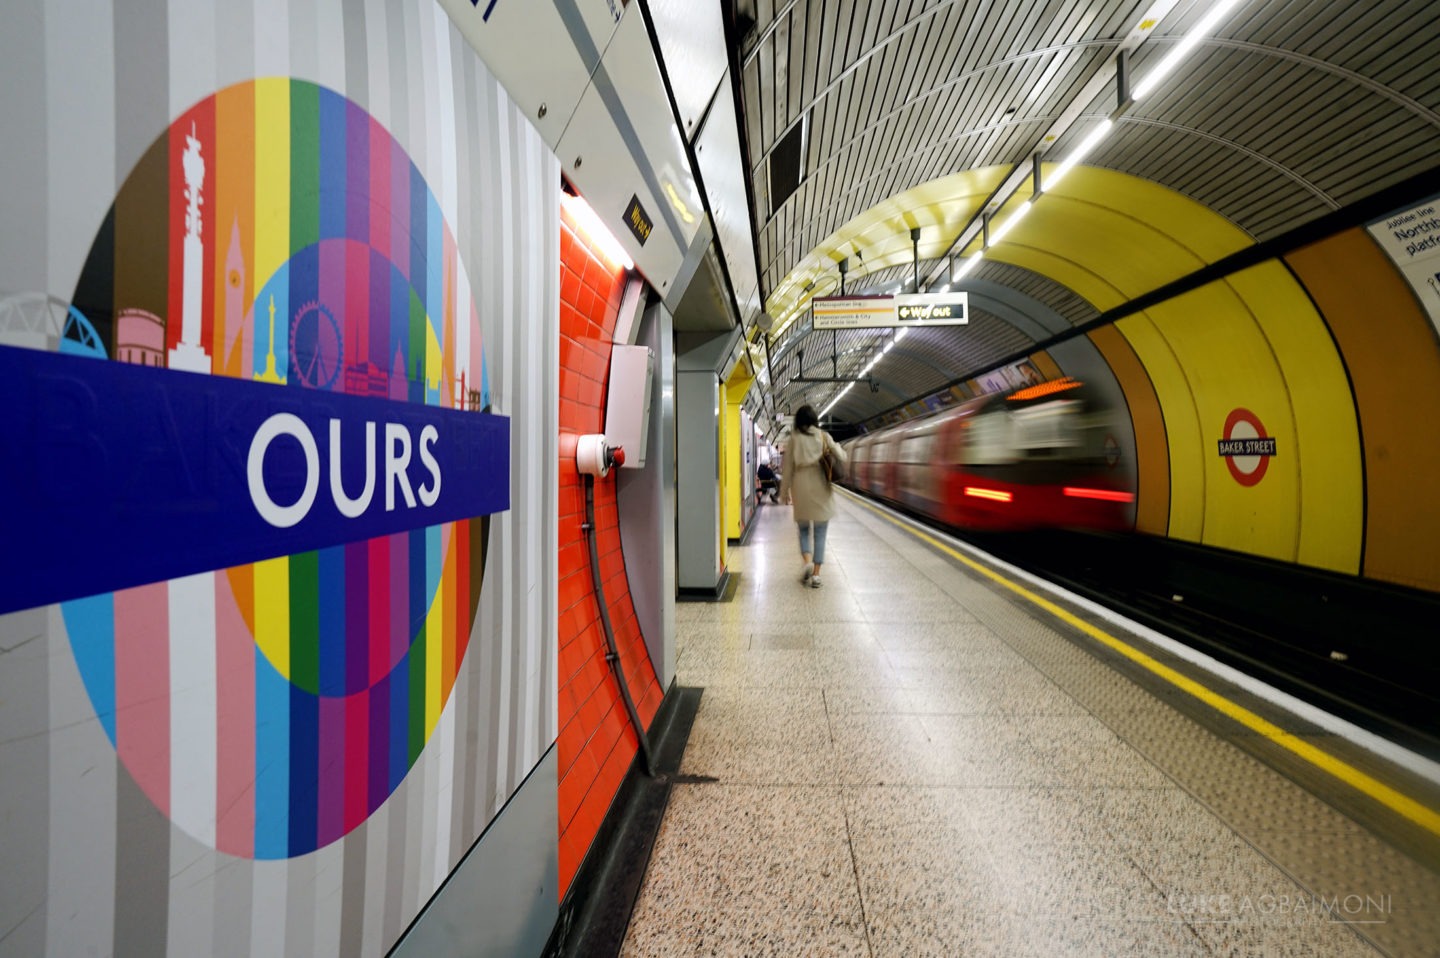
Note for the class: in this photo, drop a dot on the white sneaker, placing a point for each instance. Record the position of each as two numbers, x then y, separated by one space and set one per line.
815 582
806 573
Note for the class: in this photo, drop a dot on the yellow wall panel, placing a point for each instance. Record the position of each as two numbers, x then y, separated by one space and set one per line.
1147 423
1228 364
1082 281
1200 230
1133 256
729 453
1331 498
1182 427
1394 364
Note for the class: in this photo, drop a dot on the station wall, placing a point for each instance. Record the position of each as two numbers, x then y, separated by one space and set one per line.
338 197
596 744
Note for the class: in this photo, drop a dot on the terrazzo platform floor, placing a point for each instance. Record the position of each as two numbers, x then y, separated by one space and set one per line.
907 762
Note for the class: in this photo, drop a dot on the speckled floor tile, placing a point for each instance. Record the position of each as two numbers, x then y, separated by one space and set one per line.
869 699
686 632
923 637
715 933
1047 880
1111 763
1283 938
950 873
780 636
719 704
888 750
1113 937
867 657
909 813
919 678
854 677
878 587
1036 816
896 609
902 635
716 814
1144 816
741 763
1196 875
751 673
781 897
802 727
730 642
956 659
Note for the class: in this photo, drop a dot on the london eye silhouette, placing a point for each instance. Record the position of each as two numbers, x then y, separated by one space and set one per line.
316 346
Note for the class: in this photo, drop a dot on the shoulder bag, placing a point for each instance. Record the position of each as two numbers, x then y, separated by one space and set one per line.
832 467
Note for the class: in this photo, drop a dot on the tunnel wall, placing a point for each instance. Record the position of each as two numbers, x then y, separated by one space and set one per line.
1322 349
1393 359
1327 352
181 787
1253 343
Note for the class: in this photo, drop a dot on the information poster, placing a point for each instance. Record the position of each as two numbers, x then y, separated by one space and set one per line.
1412 240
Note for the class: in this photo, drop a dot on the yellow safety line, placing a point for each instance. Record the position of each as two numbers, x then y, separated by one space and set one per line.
1425 817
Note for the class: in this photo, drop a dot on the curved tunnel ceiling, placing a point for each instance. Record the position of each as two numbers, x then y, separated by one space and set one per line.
911 115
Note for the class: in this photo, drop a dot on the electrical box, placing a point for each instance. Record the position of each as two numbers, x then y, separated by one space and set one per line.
627 412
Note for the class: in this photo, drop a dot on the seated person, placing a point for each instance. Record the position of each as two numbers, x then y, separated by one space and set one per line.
767 482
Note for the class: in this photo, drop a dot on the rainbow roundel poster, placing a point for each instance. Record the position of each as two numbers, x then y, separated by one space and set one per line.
295 416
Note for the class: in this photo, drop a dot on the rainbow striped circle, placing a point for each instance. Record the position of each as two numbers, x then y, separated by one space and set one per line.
269 709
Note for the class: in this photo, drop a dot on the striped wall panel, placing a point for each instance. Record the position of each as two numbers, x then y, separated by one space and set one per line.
127 830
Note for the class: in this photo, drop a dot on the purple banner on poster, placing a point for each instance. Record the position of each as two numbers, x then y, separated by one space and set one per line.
114 475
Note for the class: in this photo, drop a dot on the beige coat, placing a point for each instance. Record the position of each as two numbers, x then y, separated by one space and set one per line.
802 478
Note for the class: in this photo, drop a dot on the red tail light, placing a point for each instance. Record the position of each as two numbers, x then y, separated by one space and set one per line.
1108 495
995 494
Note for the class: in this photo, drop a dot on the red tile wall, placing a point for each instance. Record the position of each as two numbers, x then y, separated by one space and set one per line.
596 743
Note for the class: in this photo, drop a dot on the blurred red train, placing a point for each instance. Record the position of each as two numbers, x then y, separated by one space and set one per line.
1042 456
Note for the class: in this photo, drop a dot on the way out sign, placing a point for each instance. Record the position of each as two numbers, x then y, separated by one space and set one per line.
1245 447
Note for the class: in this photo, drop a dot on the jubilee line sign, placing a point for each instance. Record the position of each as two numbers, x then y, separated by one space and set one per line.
880 312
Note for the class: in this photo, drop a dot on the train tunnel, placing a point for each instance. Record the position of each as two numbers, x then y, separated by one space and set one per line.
382 568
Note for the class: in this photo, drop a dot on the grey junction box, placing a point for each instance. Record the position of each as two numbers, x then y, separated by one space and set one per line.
627 409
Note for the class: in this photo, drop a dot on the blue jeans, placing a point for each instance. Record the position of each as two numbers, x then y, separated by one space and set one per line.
819 550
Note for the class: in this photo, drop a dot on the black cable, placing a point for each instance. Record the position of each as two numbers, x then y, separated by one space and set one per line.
612 655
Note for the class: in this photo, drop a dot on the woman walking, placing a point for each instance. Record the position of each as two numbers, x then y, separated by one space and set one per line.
805 485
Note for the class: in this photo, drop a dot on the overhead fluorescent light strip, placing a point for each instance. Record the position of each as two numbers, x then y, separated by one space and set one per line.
1009 224
1182 49
1079 153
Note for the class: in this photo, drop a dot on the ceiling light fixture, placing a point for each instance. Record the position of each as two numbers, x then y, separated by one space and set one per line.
967 266
1182 49
595 230
1009 224
1079 153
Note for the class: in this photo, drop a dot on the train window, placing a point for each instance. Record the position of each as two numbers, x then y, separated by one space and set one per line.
1047 429
916 448
988 440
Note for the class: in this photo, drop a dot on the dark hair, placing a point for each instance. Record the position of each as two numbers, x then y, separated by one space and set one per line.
805 419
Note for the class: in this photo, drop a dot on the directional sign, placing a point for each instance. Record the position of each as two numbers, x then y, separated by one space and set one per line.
853 312
880 312
932 309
